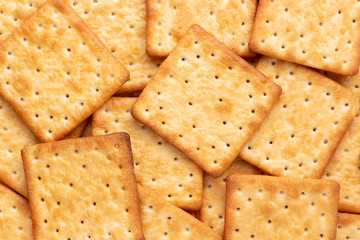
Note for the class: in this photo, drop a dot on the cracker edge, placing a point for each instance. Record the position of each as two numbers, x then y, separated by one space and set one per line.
129 159
231 55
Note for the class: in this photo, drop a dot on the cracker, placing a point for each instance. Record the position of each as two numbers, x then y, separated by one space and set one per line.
323 34
344 166
304 128
55 85
161 220
83 188
14 12
77 131
206 101
178 180
88 129
15 219
263 207
212 211
230 21
14 135
348 226
121 26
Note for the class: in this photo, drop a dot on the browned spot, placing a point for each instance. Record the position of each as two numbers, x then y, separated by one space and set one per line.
224 106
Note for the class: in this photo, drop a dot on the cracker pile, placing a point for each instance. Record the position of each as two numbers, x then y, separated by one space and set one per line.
179 119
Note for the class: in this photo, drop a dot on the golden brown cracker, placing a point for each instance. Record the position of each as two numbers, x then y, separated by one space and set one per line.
348 226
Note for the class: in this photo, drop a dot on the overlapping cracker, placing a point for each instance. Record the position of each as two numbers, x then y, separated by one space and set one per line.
230 21
14 135
206 101
323 34
83 188
158 165
212 211
306 125
88 129
76 133
162 220
263 207
121 26
344 166
348 226
15 219
14 12
55 84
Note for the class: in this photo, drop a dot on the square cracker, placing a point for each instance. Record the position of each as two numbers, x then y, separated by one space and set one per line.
304 128
83 188
206 101
264 207
212 211
162 220
230 21
323 34
344 166
121 26
348 226
55 85
158 165
15 219
14 135
14 12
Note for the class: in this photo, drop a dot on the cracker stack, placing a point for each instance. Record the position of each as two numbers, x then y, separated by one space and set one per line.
141 120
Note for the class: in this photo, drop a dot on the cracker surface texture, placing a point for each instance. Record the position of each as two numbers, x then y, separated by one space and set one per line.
15 220
230 21
212 211
206 101
306 125
158 165
83 188
161 220
121 26
264 207
76 133
53 84
322 34
344 166
348 226
14 135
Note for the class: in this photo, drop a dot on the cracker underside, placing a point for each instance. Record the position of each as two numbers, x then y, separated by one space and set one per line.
55 85
161 220
229 21
158 165
304 33
344 166
304 128
121 26
206 101
263 207
212 211
348 226
15 220
83 188
14 135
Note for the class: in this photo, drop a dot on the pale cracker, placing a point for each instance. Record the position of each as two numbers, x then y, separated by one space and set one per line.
14 135
15 219
158 165
323 34
14 12
55 85
344 166
162 220
206 101
264 207
348 226
212 211
83 188
76 133
121 26
303 130
230 21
